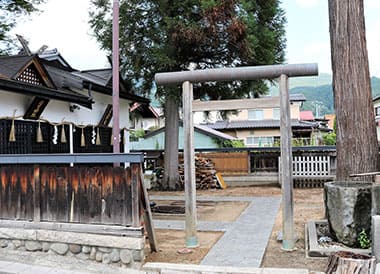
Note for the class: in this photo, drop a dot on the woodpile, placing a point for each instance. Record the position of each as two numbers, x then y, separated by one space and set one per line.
205 175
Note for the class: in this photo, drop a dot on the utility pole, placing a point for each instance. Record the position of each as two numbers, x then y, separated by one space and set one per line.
115 79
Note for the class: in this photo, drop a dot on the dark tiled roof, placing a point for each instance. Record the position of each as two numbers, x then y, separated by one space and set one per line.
101 77
64 79
11 65
248 124
297 97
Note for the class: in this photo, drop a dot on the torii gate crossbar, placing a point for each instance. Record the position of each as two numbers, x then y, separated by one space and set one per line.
282 72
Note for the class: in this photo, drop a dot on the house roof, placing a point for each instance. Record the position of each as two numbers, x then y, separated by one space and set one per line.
306 115
101 81
145 110
249 124
26 75
297 97
200 128
11 65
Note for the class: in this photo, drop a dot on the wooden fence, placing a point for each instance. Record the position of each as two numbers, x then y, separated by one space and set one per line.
229 162
80 194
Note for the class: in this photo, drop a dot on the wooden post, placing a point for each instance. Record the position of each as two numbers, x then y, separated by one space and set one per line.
71 140
115 79
135 173
36 194
288 242
189 168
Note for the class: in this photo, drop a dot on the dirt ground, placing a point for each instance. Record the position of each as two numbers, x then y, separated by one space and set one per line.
308 205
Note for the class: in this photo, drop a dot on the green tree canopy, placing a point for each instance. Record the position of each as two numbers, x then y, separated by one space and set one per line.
10 13
167 35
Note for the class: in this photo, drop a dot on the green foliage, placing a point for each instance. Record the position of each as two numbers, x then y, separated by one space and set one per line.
329 139
229 143
134 135
11 13
363 239
163 35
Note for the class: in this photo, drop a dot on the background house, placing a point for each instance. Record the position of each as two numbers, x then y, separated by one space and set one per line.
204 137
261 126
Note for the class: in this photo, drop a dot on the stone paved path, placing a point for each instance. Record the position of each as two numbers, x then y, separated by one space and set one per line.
244 241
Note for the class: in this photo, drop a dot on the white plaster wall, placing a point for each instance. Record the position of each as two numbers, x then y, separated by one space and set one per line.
57 110
10 101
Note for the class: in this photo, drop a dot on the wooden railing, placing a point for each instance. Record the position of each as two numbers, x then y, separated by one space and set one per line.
44 188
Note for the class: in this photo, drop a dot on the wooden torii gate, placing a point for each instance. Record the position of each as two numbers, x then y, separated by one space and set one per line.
186 78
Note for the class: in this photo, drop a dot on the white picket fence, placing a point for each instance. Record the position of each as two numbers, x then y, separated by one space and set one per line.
310 168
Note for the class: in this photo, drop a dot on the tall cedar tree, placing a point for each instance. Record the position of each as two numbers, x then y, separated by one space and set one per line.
167 35
10 13
356 144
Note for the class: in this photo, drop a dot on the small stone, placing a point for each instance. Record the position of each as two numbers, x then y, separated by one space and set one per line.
17 243
105 249
3 243
33 246
125 256
99 256
82 256
59 248
93 253
45 247
115 256
106 258
75 249
11 246
138 255
86 249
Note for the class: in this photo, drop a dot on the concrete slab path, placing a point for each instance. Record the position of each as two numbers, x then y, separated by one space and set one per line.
244 241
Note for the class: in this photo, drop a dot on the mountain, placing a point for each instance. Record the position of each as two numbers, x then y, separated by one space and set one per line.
318 92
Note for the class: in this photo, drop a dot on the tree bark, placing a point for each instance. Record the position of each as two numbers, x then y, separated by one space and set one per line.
345 262
356 145
170 178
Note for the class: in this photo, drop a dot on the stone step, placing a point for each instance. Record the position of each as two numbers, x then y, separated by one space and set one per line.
168 268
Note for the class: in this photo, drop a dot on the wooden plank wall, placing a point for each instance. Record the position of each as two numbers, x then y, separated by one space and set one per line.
91 195
229 162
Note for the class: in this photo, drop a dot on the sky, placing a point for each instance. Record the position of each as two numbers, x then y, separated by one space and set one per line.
62 24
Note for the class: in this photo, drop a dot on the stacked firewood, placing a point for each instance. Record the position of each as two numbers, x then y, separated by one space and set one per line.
205 173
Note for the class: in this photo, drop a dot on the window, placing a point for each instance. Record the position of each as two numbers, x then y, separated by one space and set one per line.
377 111
260 141
276 113
255 114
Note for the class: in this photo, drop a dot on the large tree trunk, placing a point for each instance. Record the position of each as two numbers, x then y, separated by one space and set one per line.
170 178
356 145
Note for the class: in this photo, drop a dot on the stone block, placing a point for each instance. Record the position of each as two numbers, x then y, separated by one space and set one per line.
45 247
125 256
106 259
33 246
93 253
75 249
60 248
3 243
348 210
376 237
17 243
105 249
115 255
86 249
99 256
